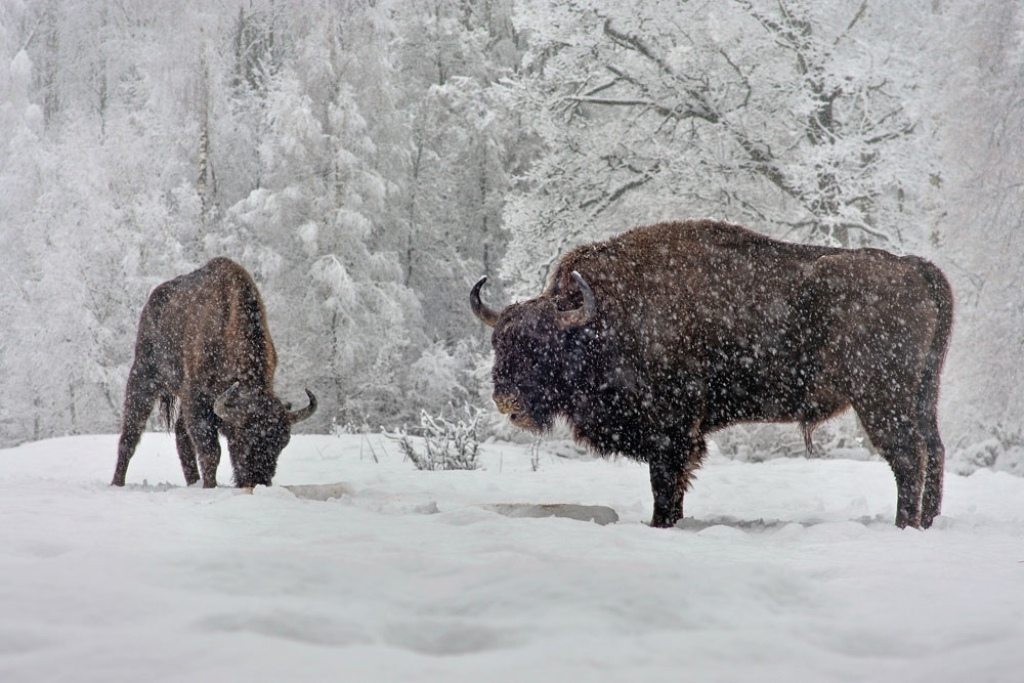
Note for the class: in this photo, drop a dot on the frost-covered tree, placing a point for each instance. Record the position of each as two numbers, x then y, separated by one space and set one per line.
95 210
145 138
793 116
358 157
452 55
464 149
982 97
21 124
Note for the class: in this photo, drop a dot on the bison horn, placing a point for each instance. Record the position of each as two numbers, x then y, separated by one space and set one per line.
585 313
481 310
220 406
307 412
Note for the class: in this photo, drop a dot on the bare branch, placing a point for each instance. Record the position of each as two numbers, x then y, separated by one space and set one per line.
892 135
636 43
602 87
699 106
864 227
853 22
31 34
615 102
602 203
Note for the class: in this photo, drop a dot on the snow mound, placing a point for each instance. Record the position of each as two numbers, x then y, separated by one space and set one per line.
599 514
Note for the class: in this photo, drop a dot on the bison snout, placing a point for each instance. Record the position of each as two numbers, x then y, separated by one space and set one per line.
517 414
507 405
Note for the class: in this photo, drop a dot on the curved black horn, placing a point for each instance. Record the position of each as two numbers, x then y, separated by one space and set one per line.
481 310
220 406
306 413
586 312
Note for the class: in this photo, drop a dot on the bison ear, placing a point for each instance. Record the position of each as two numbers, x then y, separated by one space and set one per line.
305 413
220 407
481 310
585 313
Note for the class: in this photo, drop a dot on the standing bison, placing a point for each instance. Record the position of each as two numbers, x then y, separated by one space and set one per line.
203 340
650 341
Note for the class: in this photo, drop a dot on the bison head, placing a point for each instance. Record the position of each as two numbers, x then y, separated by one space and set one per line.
258 427
533 347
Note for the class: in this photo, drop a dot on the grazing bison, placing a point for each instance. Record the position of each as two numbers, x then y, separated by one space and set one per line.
648 342
203 340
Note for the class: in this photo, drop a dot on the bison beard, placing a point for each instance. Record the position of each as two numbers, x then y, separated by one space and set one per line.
203 344
648 342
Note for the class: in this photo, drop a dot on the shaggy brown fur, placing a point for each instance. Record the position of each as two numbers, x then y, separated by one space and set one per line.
203 342
700 324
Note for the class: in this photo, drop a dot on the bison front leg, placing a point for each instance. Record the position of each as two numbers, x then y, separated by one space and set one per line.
671 469
202 428
186 452
668 487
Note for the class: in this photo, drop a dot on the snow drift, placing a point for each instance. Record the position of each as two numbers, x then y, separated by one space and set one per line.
358 566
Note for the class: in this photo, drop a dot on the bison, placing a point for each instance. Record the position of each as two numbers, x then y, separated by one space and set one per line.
650 341
203 344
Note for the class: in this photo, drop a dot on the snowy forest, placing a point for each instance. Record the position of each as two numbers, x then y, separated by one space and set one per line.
368 160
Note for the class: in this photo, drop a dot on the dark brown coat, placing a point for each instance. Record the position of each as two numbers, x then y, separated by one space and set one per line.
672 331
203 342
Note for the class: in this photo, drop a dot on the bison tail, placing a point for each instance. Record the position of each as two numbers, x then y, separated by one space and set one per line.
168 410
942 295
928 394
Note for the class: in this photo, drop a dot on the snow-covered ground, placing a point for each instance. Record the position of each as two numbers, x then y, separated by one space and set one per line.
788 570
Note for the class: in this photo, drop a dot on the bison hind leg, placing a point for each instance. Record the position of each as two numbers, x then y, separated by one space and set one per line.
900 442
140 396
931 500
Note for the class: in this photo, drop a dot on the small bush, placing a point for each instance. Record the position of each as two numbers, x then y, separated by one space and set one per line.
448 444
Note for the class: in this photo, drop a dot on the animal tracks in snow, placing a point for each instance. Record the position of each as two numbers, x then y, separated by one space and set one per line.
599 514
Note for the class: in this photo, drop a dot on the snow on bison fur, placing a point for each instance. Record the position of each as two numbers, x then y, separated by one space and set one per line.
203 342
651 340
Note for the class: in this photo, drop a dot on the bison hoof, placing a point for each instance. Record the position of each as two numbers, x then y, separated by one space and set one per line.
664 522
905 519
